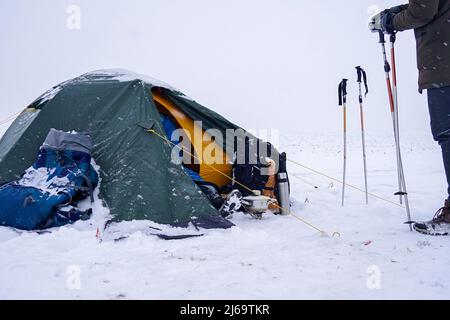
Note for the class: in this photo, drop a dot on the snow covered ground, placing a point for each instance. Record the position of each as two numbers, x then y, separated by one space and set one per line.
376 256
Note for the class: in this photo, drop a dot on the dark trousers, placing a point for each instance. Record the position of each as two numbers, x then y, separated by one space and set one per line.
439 105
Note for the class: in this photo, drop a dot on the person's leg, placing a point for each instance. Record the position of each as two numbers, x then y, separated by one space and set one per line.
439 107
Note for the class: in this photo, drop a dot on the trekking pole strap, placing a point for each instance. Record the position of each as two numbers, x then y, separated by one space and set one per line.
342 92
393 37
362 77
387 66
382 38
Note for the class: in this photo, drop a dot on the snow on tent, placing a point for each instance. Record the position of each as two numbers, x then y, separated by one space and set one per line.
117 108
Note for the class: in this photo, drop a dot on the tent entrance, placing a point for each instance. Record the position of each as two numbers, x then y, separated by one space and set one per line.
216 172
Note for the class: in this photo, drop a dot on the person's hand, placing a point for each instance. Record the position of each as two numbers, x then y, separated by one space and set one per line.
387 18
383 21
375 23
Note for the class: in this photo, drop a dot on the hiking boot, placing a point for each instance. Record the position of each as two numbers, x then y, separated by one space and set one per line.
231 205
439 226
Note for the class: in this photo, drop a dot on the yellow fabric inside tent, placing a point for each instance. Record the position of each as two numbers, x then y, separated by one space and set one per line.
214 165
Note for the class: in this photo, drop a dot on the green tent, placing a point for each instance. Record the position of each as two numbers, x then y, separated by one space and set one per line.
116 108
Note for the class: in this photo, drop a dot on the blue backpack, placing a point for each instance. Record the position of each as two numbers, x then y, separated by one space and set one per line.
47 194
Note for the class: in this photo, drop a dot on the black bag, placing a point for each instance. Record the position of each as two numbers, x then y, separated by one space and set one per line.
249 175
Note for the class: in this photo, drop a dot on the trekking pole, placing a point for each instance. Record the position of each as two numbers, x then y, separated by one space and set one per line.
343 103
394 113
387 70
392 39
362 76
403 191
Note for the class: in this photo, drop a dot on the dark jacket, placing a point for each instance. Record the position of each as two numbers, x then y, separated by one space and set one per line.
431 21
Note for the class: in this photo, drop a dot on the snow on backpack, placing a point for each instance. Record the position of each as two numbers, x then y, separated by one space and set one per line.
47 194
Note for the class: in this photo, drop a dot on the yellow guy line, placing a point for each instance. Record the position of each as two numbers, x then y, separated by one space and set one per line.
242 185
10 118
349 185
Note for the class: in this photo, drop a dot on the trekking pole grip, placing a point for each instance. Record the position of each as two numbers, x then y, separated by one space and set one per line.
342 92
362 76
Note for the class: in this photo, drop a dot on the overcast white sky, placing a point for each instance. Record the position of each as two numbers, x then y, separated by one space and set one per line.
261 63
